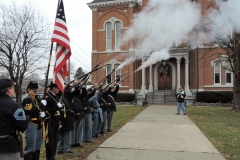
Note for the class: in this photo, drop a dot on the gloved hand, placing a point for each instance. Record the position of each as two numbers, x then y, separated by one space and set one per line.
42 114
59 105
44 102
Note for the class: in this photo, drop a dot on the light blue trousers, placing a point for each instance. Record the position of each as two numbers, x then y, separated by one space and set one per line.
88 127
76 135
33 138
63 141
181 105
103 127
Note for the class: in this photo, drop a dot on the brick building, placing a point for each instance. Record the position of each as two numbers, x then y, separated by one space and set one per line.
199 69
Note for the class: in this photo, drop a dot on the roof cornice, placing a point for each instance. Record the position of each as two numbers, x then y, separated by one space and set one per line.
94 5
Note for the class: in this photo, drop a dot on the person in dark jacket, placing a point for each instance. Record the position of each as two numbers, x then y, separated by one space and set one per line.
12 119
78 132
34 107
66 120
181 101
53 107
103 101
112 107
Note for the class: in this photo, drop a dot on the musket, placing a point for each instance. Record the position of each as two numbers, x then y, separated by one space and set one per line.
105 78
115 80
125 78
86 73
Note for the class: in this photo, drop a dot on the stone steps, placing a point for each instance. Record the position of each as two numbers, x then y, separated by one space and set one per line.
161 97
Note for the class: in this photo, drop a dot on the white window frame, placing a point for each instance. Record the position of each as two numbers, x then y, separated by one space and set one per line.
117 46
220 74
116 72
108 38
108 65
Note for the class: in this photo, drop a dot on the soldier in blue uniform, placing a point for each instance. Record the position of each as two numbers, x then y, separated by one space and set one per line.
34 107
53 107
12 119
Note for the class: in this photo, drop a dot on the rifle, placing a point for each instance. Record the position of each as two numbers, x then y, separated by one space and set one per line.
87 73
115 80
20 142
105 78
125 78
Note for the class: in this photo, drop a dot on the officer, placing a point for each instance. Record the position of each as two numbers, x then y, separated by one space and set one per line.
34 107
53 107
12 120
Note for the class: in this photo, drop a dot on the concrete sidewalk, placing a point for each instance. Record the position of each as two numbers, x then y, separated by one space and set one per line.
157 134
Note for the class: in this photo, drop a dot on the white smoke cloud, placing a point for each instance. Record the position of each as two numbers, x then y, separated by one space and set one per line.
159 25
155 57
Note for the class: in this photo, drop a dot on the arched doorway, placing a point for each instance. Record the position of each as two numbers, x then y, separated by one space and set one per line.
164 77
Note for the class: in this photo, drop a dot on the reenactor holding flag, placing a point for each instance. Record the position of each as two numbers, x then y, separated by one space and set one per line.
53 107
34 107
12 120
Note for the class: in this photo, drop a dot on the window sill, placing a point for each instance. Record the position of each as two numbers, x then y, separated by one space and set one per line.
219 85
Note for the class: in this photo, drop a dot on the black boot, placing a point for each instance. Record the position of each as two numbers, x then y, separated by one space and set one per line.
36 155
28 156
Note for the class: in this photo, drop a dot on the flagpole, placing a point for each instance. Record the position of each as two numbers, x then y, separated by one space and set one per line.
49 61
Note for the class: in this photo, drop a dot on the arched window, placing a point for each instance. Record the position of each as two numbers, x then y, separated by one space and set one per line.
117 35
108 36
217 72
108 73
117 74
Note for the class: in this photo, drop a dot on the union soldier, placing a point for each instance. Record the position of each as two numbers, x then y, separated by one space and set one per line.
67 120
97 114
78 131
112 107
103 101
34 107
12 119
53 107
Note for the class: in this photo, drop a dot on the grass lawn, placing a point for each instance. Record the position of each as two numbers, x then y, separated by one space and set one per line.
221 126
123 115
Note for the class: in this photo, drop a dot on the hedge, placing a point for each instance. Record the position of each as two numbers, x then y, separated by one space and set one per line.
215 96
124 97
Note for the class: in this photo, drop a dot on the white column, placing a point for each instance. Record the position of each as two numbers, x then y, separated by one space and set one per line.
143 79
178 72
186 74
187 91
150 79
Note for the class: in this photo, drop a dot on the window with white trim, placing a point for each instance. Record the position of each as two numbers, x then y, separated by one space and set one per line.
217 72
117 35
117 74
228 72
108 73
108 36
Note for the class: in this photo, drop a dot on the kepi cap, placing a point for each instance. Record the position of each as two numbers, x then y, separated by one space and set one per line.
6 83
32 85
53 85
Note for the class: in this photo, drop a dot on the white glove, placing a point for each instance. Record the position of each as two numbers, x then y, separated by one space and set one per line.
42 114
182 92
44 102
59 105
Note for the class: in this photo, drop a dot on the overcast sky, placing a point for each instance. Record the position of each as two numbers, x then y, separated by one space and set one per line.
79 23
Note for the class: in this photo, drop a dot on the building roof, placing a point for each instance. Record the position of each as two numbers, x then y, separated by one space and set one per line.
95 1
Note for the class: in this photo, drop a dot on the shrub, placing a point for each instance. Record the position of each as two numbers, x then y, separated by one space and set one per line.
215 96
124 97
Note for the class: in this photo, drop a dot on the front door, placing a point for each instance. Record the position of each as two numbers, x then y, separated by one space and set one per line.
164 77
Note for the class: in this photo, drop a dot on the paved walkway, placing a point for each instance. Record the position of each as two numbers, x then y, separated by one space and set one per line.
157 134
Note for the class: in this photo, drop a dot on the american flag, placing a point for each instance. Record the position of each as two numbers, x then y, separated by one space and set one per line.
63 50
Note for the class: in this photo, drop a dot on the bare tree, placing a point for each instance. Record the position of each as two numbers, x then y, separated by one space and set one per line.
24 42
